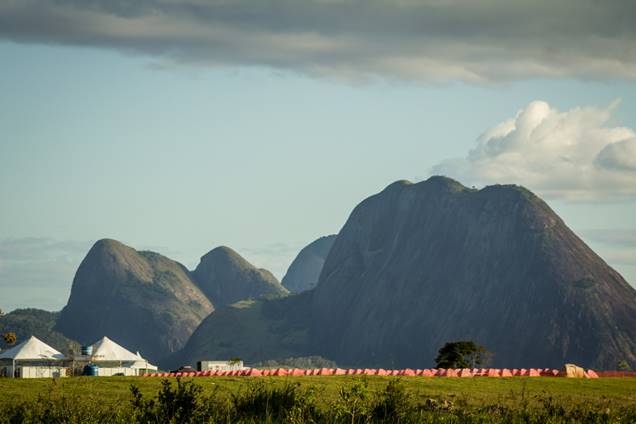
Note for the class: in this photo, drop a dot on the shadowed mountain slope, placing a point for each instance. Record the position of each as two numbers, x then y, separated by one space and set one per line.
226 277
418 265
304 271
250 330
143 300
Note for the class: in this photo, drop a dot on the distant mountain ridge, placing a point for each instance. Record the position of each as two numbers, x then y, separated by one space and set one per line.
304 271
418 265
143 300
150 303
226 277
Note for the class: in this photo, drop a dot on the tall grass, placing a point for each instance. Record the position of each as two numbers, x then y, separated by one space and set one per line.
260 402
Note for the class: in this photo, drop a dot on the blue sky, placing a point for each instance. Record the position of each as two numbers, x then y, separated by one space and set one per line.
181 153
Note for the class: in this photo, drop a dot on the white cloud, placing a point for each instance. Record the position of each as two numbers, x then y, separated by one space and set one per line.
572 155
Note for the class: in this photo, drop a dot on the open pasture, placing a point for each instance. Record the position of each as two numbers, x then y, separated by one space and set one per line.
114 391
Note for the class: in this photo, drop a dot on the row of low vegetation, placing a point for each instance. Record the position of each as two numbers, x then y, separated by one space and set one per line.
180 401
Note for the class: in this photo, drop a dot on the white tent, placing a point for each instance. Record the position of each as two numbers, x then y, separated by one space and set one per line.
113 359
33 358
143 364
108 350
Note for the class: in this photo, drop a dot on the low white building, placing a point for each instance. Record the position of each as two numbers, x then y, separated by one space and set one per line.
113 359
220 365
33 359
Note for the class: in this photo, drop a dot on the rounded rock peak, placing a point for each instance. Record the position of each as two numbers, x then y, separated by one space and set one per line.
444 182
108 242
399 184
109 245
223 254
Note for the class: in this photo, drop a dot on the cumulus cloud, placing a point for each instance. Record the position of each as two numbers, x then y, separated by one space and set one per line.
573 154
427 40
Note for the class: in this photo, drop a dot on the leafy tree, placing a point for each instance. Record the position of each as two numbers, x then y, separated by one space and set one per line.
623 366
9 338
461 354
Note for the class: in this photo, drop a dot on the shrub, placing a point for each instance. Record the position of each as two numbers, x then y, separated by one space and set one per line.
260 402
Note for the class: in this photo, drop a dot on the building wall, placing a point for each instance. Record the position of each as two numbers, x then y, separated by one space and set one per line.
110 371
219 366
35 371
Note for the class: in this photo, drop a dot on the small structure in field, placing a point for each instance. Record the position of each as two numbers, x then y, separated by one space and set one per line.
231 365
33 359
574 371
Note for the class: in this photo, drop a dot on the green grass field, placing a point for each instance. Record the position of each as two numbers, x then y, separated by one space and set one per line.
113 390
610 394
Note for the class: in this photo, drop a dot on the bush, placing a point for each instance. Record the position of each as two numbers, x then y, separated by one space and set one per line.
275 404
183 403
394 404
355 404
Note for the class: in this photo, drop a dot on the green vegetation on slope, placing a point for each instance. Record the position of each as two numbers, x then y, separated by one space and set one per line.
35 322
252 330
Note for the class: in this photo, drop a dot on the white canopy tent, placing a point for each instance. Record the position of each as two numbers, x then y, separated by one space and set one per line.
34 358
112 359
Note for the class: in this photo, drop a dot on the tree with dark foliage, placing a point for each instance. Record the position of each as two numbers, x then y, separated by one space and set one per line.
9 338
460 354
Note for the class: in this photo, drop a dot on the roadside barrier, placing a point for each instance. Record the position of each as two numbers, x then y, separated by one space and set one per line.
432 372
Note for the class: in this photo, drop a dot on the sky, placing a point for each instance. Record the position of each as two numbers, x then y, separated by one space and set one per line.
181 126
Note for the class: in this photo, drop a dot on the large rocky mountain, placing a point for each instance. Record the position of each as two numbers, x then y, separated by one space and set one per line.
142 300
304 271
226 277
150 303
418 265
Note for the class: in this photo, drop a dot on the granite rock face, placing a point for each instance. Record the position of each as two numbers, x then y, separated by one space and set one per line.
142 300
226 277
304 271
415 266
418 265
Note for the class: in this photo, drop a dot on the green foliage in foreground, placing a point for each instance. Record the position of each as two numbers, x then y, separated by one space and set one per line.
290 401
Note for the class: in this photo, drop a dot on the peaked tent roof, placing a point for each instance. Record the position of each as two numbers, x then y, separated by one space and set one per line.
32 349
143 364
108 350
